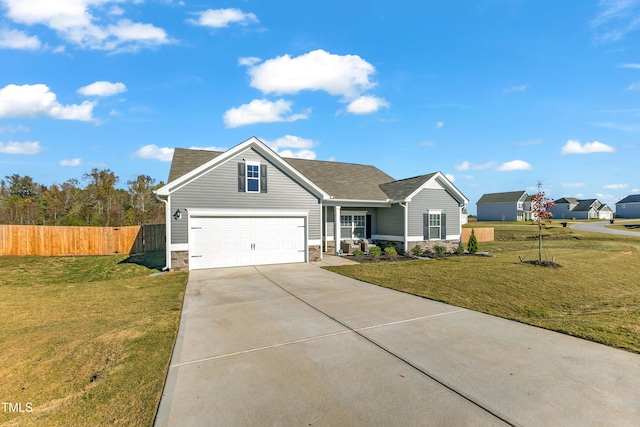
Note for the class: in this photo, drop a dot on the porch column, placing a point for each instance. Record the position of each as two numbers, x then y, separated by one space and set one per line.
336 228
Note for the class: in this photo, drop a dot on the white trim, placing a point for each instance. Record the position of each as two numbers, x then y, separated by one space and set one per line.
359 203
314 242
336 227
453 237
246 176
179 247
386 237
415 239
197 212
329 239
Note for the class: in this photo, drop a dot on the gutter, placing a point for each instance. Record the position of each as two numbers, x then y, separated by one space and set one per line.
406 225
167 220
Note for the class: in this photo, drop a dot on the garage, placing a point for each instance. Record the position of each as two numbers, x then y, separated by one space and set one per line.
248 239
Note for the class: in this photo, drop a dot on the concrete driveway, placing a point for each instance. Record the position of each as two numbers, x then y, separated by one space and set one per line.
298 345
601 227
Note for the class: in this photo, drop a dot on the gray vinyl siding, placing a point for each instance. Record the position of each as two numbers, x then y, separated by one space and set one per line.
498 212
390 221
218 189
329 221
630 210
430 198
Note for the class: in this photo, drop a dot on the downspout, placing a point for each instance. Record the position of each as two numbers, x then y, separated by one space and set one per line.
167 239
406 226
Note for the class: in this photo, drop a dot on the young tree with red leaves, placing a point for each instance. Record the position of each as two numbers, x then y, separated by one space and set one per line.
540 206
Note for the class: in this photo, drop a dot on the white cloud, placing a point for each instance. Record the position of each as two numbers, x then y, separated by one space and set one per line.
366 104
575 147
221 18
519 88
466 165
290 141
514 165
299 154
346 75
70 162
615 19
31 101
572 184
634 66
13 129
450 177
615 186
87 23
249 61
261 111
439 125
102 88
27 147
152 151
530 142
633 86
13 39
293 146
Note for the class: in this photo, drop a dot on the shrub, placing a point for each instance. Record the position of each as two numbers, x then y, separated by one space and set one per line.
391 252
375 251
472 246
439 250
416 250
459 250
358 252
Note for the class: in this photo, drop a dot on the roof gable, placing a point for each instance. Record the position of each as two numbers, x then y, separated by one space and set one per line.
406 189
186 159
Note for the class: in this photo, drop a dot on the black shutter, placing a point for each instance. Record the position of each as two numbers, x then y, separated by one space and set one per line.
443 226
425 226
263 178
242 182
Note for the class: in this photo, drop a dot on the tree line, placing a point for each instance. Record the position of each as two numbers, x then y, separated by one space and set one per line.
95 200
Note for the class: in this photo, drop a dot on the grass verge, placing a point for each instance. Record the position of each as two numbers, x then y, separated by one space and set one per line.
85 340
595 295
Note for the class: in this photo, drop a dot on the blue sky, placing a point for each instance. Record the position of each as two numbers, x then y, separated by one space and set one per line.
497 94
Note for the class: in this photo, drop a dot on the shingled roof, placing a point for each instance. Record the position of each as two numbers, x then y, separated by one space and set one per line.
508 197
400 190
336 179
633 198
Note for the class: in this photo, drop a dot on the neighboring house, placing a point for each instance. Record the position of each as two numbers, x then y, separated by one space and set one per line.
572 208
250 206
509 206
629 207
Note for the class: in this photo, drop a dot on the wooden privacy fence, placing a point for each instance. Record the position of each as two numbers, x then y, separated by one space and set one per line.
64 241
482 234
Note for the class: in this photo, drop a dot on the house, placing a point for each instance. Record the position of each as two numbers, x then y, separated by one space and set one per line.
250 206
629 207
509 206
572 208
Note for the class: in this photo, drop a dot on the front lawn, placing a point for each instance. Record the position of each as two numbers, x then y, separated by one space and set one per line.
595 295
85 340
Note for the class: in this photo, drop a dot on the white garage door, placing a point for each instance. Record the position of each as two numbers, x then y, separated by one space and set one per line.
236 241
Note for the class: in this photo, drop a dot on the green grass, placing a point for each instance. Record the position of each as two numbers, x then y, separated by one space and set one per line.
86 340
595 295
